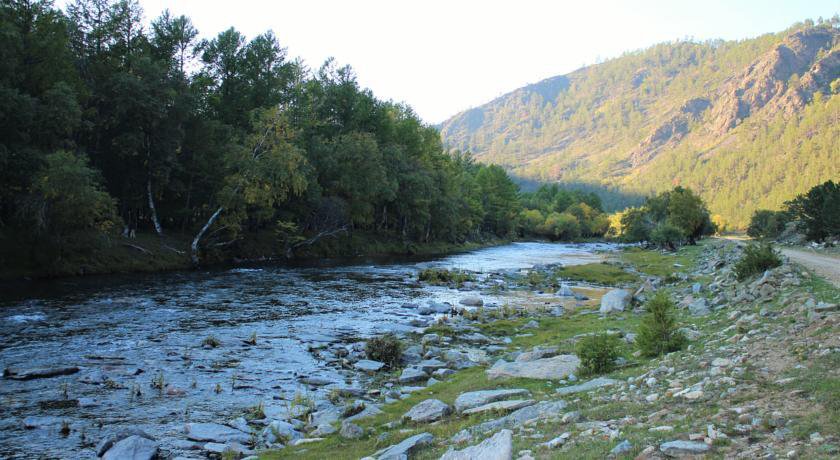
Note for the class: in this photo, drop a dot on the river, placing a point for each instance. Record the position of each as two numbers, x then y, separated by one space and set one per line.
131 331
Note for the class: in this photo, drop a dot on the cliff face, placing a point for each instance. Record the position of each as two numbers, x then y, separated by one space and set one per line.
643 122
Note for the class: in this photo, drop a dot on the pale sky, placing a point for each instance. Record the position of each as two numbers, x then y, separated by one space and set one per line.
442 57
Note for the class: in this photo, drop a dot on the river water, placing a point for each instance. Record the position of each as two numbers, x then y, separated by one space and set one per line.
130 331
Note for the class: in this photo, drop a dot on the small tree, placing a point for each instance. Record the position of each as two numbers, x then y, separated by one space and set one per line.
658 332
386 349
767 224
667 236
598 353
818 211
756 259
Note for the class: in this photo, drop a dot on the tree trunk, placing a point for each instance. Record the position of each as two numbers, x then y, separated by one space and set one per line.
200 234
153 209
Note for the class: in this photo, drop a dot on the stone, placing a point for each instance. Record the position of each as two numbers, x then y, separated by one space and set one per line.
501 406
496 447
586 386
565 291
412 374
430 339
622 448
367 365
279 431
39 373
614 301
231 447
554 368
537 353
107 443
370 411
558 441
699 307
215 433
441 373
430 365
316 381
440 307
132 448
696 288
473 399
542 410
402 450
427 411
684 448
472 301
351 431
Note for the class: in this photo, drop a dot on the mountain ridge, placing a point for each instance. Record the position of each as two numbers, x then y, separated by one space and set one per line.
676 113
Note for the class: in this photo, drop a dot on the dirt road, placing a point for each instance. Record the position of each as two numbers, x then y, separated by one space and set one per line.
825 265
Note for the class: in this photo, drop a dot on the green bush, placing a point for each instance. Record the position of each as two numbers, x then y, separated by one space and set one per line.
658 332
756 259
385 349
818 211
667 236
767 224
444 276
598 353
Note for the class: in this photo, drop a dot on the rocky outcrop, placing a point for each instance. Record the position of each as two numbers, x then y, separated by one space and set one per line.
496 447
554 368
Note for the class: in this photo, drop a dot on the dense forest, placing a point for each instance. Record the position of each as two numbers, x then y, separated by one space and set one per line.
111 129
748 124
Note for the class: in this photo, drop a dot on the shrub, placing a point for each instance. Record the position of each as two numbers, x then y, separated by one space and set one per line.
211 342
444 276
666 236
386 349
598 353
767 224
756 259
658 332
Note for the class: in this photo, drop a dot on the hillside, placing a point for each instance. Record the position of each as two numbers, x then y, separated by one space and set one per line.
748 124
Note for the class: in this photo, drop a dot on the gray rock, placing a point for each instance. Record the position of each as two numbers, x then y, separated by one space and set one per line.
412 374
537 353
215 433
408 446
351 431
429 410
370 411
430 339
696 288
442 373
542 410
565 291
615 300
699 307
367 365
132 448
501 406
39 373
430 365
497 447
41 421
555 368
440 307
586 386
622 448
316 381
323 429
472 301
232 447
683 448
473 399
107 443
279 431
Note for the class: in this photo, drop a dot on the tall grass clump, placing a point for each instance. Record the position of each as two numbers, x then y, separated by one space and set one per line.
385 349
756 259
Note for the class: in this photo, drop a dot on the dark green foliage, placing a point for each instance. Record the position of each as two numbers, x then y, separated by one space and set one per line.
598 353
558 214
767 224
818 211
658 332
756 259
385 349
444 276
667 236
218 140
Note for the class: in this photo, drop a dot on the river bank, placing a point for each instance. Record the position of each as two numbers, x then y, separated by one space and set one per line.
150 253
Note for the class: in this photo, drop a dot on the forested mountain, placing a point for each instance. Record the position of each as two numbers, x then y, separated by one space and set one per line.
748 124
110 127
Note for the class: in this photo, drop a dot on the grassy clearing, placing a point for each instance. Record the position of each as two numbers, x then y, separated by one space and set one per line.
660 263
820 381
599 273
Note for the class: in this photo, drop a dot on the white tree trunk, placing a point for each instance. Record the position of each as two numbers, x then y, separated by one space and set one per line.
200 234
152 208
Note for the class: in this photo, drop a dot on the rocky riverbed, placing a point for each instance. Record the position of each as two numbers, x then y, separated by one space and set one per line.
194 364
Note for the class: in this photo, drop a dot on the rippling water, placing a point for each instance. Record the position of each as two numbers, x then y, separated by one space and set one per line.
132 329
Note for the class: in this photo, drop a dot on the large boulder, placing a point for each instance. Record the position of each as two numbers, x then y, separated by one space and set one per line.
367 365
554 368
107 443
472 301
215 433
429 410
473 399
501 407
586 386
412 374
132 448
402 450
615 300
496 447
543 410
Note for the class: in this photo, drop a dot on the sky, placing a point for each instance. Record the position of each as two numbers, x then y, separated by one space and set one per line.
442 57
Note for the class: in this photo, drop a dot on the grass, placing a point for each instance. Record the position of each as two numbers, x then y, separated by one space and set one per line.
820 381
659 263
599 273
